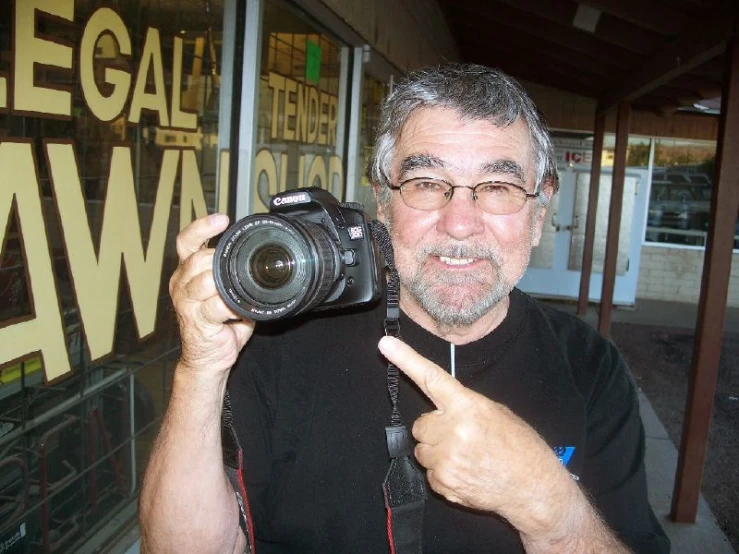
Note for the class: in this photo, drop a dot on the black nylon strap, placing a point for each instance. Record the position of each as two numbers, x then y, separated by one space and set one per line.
229 440
392 316
404 487
405 498
233 462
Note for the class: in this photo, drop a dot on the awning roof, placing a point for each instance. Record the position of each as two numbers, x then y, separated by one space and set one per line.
660 55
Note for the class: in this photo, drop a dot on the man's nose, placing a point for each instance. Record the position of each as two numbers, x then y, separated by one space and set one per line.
461 217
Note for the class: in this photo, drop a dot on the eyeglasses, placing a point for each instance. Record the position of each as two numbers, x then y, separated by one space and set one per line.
495 197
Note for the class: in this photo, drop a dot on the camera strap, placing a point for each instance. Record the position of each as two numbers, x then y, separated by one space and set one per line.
404 487
233 463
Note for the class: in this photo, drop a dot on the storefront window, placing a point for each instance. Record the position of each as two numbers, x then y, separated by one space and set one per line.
374 92
680 197
302 107
574 154
637 151
110 142
681 174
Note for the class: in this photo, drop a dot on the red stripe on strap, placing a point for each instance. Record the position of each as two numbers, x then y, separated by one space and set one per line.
390 537
249 522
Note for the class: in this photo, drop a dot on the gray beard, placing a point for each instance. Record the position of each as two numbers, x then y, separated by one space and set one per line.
473 305
473 296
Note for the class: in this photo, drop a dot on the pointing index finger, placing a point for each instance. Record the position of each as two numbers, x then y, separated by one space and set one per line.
440 387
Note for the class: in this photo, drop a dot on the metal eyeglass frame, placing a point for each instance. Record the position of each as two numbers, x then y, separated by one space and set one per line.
450 192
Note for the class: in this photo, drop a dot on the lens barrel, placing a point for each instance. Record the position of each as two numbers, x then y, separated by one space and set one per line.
269 266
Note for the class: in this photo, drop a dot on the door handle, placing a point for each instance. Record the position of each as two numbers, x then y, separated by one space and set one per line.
575 224
557 227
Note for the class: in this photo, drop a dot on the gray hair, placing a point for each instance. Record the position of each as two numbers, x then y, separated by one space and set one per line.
476 92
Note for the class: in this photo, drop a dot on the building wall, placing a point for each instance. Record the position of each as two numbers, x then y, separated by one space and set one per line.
565 110
675 274
665 273
409 33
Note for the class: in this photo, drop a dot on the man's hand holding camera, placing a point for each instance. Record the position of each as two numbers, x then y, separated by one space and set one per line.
212 334
211 339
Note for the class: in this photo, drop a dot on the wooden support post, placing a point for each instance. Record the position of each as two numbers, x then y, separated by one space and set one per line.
587 254
712 304
614 218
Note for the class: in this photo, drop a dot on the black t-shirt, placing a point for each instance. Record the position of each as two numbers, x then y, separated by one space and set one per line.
310 406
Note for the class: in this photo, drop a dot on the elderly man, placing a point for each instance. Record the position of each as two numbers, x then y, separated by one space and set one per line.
526 420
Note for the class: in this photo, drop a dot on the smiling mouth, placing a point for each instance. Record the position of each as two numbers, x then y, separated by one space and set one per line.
456 261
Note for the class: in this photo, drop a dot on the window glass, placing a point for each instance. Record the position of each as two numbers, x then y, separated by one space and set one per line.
374 92
109 144
680 194
302 107
637 151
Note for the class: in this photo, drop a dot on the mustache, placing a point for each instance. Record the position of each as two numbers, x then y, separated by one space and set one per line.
460 250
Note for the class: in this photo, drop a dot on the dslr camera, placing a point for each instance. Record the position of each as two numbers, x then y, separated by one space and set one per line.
308 252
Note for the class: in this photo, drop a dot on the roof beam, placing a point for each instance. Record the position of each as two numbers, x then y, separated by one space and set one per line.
522 69
610 29
660 18
702 41
511 41
707 88
712 69
684 96
660 105
540 30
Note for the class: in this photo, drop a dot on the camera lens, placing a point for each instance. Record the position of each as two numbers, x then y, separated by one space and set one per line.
270 266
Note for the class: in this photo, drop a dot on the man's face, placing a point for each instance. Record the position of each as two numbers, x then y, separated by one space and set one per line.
458 262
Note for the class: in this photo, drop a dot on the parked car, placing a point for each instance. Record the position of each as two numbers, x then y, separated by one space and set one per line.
678 201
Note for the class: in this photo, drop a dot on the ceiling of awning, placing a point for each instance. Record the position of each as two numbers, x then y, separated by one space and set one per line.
662 55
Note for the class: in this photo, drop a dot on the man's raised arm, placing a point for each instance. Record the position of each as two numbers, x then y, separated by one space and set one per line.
187 503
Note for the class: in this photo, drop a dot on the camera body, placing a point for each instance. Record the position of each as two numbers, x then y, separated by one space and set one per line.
309 252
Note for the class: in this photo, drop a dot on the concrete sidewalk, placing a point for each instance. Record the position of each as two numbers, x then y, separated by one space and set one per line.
661 462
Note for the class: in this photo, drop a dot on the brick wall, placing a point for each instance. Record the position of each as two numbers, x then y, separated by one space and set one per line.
675 274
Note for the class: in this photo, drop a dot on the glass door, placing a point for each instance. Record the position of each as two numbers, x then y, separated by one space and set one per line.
556 264
302 106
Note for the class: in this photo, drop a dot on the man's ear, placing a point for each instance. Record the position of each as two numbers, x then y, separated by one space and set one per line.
538 225
381 217
548 188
